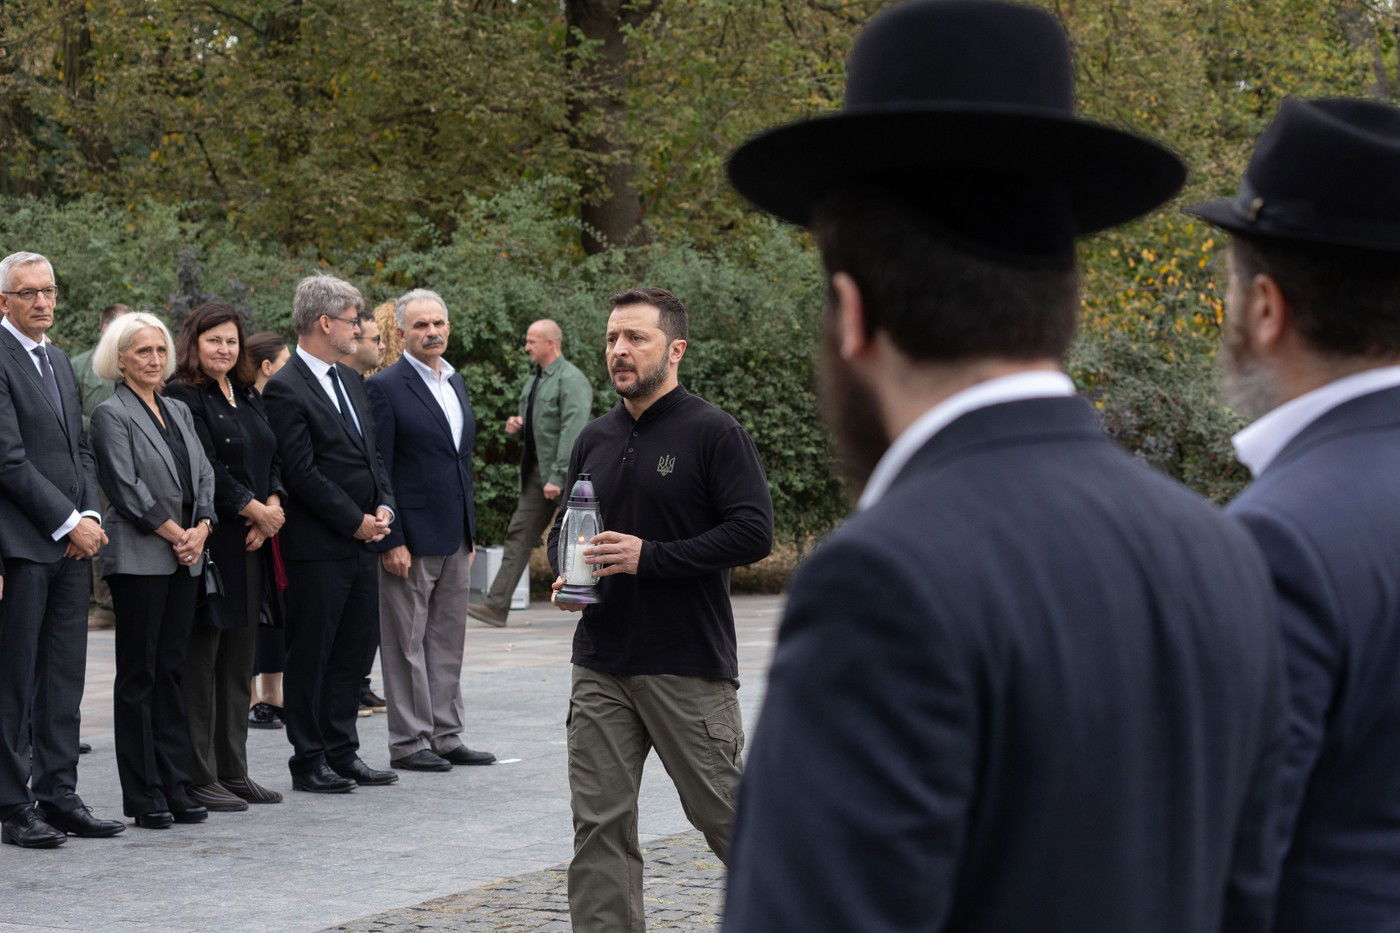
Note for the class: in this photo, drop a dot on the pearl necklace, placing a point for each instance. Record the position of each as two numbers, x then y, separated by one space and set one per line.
229 391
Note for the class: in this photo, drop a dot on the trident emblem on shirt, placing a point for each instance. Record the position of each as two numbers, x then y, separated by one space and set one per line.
666 464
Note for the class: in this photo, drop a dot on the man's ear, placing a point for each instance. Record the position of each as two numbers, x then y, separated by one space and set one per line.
1268 314
677 350
850 316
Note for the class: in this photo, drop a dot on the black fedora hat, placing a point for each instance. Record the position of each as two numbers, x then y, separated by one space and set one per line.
1324 171
941 88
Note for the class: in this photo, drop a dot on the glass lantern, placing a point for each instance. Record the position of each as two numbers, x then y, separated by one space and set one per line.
582 521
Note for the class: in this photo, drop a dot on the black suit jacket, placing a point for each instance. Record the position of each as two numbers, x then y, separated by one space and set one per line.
437 510
332 480
1036 687
1326 512
46 468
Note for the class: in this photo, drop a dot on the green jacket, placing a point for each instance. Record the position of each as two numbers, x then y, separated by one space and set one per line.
563 405
91 389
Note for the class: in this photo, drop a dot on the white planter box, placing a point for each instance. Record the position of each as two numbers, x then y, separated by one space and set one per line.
484 570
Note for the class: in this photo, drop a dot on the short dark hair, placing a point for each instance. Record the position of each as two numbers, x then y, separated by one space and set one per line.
1345 301
111 313
264 347
940 300
209 315
673 320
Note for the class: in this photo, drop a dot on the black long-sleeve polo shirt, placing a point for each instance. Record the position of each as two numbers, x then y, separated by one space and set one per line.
686 479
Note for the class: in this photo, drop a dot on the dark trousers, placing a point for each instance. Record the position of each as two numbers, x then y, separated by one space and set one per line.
43 659
332 619
218 683
154 618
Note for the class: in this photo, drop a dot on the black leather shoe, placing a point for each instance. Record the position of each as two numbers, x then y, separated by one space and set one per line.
461 755
422 760
80 822
373 700
26 828
156 819
322 780
361 773
263 716
192 814
84 748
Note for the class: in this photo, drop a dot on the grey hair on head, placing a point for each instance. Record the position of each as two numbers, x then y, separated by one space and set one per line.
322 294
401 306
15 260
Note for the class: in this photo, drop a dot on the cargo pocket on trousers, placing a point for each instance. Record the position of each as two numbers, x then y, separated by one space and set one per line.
726 739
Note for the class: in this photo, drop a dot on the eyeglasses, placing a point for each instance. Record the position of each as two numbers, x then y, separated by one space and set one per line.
27 295
353 320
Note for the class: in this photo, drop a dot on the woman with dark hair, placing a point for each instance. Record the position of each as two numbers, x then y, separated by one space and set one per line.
214 377
269 353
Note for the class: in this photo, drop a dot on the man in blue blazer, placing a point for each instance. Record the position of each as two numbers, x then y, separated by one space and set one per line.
1311 352
1031 684
426 430
49 529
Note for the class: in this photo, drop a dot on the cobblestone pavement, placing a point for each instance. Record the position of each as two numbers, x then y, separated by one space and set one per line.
683 890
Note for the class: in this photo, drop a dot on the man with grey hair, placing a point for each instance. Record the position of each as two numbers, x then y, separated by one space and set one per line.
49 528
555 403
426 429
339 502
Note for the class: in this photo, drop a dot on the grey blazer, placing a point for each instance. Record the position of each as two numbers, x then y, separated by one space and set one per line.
137 471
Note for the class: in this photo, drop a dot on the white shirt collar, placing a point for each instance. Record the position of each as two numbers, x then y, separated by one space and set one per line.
426 371
1261 442
319 367
24 341
1018 386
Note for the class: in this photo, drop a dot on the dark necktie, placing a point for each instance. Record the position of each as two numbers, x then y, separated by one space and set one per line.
46 376
345 406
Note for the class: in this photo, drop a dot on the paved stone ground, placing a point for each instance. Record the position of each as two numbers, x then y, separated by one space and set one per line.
473 846
683 890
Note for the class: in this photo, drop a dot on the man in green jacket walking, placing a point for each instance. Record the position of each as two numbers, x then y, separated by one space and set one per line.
556 401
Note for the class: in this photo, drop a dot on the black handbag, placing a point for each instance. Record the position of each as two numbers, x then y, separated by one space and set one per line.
209 607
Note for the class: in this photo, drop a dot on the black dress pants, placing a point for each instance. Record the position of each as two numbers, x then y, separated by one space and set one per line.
43 659
332 623
218 679
154 618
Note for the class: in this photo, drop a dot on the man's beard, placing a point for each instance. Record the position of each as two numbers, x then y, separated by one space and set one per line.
644 385
850 412
1246 386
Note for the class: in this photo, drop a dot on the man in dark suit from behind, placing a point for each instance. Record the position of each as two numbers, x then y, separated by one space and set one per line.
426 432
1031 684
49 529
1311 353
339 501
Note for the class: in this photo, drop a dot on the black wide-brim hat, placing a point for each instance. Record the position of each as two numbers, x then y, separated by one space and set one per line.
1324 171
937 89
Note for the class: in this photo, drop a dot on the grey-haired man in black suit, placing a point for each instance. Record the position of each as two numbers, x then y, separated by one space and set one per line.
49 529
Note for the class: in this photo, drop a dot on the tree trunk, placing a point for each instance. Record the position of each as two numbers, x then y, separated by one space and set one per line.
610 207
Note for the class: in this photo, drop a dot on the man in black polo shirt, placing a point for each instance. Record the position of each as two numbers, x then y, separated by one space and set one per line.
685 499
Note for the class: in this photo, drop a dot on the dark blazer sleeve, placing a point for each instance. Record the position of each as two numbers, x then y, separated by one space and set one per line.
385 429
872 838
31 491
376 446
230 496
274 483
287 409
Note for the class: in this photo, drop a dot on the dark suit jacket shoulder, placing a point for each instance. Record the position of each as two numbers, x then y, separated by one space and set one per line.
332 481
46 468
437 509
1035 687
1326 513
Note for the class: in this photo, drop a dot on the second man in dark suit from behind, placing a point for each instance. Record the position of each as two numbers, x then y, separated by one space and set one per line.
339 501
556 401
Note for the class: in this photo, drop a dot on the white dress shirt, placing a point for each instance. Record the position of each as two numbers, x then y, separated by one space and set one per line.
1258 444
29 345
321 369
441 389
1013 388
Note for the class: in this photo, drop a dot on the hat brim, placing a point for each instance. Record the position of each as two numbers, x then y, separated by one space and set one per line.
1226 215
1111 176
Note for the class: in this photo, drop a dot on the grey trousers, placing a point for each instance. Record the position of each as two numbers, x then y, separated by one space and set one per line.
695 727
422 627
533 515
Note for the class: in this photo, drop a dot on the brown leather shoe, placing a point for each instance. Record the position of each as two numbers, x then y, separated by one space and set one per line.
496 618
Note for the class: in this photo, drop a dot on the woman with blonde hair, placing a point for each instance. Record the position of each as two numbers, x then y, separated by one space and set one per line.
160 484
